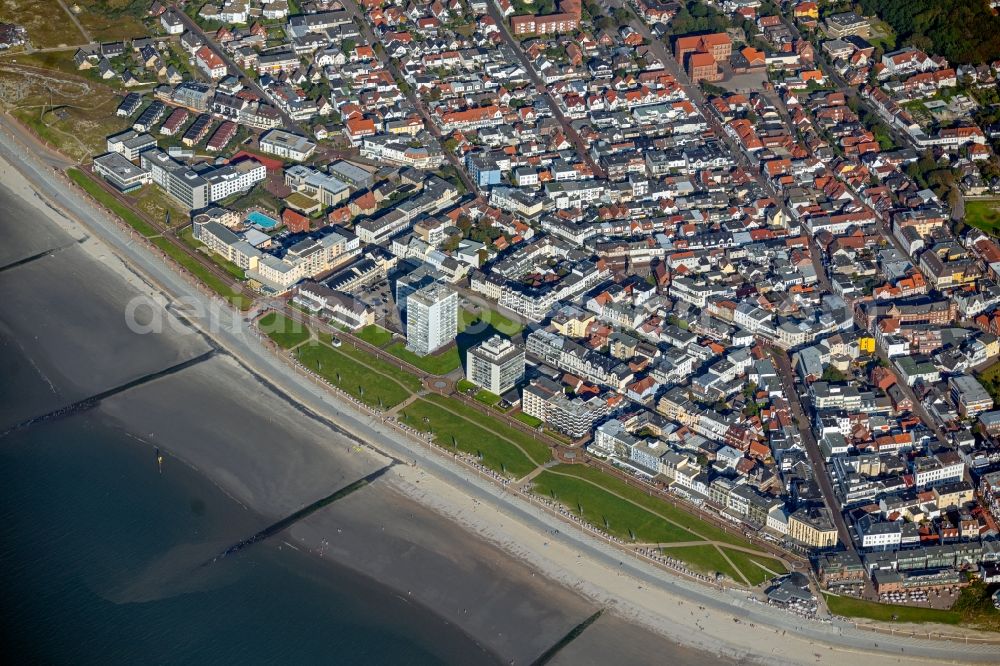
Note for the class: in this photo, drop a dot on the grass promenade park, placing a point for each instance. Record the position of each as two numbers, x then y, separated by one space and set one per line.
851 607
973 608
374 334
363 376
983 214
227 290
95 190
630 514
472 329
603 500
285 332
489 319
440 363
455 426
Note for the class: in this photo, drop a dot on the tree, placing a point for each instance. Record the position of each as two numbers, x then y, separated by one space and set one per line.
832 374
963 31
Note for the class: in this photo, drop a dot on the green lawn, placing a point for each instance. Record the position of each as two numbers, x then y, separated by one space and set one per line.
287 333
748 565
230 292
187 235
451 431
607 512
464 386
375 335
440 363
94 189
538 451
707 559
990 379
487 398
694 524
528 419
411 381
851 607
489 319
350 375
983 214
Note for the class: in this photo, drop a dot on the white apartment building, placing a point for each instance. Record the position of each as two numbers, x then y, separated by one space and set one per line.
287 145
879 536
234 177
431 318
931 470
496 364
130 144
399 151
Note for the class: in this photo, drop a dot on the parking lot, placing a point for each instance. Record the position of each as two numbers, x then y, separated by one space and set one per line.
379 296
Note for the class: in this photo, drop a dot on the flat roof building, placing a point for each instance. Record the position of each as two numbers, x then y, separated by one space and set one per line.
120 172
431 318
288 145
496 364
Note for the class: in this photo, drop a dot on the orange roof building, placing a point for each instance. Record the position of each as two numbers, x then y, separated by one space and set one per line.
703 67
718 44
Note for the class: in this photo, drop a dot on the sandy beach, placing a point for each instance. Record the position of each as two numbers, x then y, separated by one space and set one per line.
258 446
507 573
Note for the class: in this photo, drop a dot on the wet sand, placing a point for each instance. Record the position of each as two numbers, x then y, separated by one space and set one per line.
501 602
73 306
262 450
252 442
612 640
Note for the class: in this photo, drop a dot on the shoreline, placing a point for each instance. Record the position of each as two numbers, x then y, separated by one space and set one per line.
641 593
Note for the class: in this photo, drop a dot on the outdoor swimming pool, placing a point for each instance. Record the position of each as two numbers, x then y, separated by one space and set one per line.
261 221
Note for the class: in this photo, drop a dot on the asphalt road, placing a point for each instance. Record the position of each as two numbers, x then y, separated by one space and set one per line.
540 86
784 368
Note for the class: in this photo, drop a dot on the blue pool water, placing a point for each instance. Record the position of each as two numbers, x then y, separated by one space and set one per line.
258 219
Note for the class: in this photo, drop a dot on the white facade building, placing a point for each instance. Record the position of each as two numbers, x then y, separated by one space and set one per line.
496 364
431 318
287 145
